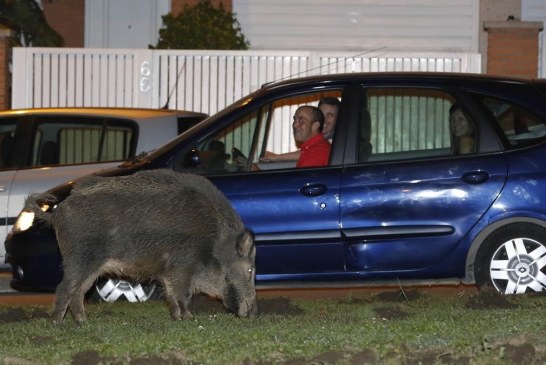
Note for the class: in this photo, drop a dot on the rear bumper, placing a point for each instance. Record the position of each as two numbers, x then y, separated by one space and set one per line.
35 260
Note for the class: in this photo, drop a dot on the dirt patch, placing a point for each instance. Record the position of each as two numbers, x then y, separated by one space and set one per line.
399 296
390 313
395 296
432 357
19 314
489 299
363 357
519 354
200 305
92 357
280 306
41 340
86 358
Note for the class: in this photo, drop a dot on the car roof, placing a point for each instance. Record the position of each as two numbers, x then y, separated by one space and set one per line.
450 76
133 113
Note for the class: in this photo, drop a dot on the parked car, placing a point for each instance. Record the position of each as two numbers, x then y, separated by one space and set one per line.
41 148
400 201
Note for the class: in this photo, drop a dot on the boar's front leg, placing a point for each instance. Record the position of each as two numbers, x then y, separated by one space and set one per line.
178 293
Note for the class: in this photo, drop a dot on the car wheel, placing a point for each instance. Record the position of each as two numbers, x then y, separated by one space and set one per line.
114 289
513 259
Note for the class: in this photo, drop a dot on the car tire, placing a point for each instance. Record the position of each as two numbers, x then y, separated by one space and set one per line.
512 259
111 289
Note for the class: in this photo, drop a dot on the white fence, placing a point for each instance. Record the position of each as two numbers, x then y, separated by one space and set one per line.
203 81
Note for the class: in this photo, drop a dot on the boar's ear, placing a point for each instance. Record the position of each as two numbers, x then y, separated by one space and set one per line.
245 243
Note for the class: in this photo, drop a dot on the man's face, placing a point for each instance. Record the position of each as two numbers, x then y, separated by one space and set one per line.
330 118
303 126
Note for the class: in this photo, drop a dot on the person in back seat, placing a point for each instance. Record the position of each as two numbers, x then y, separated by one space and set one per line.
462 131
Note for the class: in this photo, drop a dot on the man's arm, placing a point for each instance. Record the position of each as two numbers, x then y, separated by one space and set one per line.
274 157
242 161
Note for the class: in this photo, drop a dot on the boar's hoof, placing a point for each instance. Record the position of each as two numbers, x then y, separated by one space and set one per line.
179 317
80 320
56 319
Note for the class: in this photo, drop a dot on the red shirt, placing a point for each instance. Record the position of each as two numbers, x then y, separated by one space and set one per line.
314 152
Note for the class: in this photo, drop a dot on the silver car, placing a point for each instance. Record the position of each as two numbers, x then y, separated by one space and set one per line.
41 148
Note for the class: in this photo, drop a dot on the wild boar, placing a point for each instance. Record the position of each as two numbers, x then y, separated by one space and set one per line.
160 225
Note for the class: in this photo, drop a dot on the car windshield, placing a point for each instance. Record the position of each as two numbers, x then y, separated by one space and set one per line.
202 126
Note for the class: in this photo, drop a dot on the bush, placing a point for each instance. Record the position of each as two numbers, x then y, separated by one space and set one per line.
202 26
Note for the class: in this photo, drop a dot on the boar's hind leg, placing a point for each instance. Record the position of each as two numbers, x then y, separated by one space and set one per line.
71 293
61 302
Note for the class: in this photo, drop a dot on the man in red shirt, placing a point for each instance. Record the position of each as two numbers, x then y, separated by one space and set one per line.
307 128
329 106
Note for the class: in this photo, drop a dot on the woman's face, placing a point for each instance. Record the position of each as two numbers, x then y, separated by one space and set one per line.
459 124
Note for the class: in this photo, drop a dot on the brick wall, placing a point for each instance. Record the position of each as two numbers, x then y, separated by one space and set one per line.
5 94
512 48
67 17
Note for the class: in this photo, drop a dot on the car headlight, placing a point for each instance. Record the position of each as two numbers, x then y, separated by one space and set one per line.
24 221
26 218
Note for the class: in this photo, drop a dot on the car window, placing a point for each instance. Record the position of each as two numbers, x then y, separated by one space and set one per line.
7 131
520 126
185 122
413 123
240 146
62 143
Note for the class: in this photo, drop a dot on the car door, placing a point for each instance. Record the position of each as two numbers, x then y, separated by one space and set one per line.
294 215
7 173
408 203
293 212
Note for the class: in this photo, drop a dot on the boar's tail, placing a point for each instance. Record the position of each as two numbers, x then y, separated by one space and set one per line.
40 205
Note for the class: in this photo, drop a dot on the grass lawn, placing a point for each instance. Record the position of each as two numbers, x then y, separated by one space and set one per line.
400 327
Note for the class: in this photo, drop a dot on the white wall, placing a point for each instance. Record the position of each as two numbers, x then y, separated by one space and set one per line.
535 10
123 23
355 25
341 25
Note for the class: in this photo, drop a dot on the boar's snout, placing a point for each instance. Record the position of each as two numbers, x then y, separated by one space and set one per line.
248 308
243 303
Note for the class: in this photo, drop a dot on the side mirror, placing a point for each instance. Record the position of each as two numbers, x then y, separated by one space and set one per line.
192 158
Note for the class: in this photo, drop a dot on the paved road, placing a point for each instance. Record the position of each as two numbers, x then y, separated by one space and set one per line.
9 297
5 277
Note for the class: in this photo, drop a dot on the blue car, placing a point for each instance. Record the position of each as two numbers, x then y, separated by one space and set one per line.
431 178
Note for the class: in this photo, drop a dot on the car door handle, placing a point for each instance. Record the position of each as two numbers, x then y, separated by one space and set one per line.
313 189
2 188
475 177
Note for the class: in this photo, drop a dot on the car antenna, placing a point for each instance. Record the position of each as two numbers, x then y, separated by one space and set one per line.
328 64
166 106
